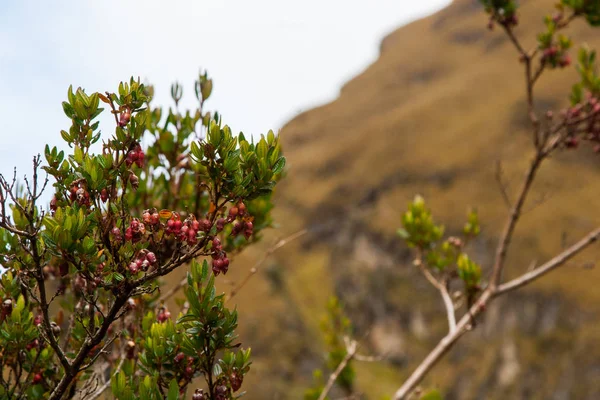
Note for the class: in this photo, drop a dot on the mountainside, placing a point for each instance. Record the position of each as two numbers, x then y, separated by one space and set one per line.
433 115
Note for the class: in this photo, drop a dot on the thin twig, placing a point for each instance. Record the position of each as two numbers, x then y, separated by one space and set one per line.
352 348
443 289
498 175
279 244
106 384
550 265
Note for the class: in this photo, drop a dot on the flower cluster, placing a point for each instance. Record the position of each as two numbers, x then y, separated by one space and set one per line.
79 194
220 262
187 231
135 231
135 156
242 221
163 314
584 118
142 262
150 217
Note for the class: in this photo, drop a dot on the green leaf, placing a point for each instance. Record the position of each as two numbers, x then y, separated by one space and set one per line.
262 148
173 390
279 165
68 109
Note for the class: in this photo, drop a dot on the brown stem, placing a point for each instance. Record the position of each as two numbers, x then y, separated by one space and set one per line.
513 219
88 344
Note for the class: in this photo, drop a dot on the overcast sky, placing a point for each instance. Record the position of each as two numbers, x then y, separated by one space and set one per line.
269 59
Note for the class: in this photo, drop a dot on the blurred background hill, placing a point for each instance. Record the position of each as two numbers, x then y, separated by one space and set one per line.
434 114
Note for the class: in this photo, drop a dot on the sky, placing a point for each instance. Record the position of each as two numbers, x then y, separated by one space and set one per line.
269 59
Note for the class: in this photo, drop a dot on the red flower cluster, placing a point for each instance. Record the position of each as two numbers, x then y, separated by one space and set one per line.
163 314
556 57
142 262
586 117
222 392
243 221
136 155
124 118
187 230
150 217
220 262
79 194
135 231
188 370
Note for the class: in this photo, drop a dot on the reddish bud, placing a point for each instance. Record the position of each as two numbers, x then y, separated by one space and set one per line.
199 395
134 180
37 378
151 257
53 204
125 118
130 349
104 195
565 61
140 159
205 225
236 379
7 306
134 268
571 142
179 357
163 315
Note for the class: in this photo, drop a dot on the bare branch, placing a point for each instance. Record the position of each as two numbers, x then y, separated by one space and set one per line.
106 384
449 308
487 296
443 288
512 221
279 244
351 352
550 265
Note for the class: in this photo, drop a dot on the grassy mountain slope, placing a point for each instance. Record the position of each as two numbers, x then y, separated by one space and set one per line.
433 115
